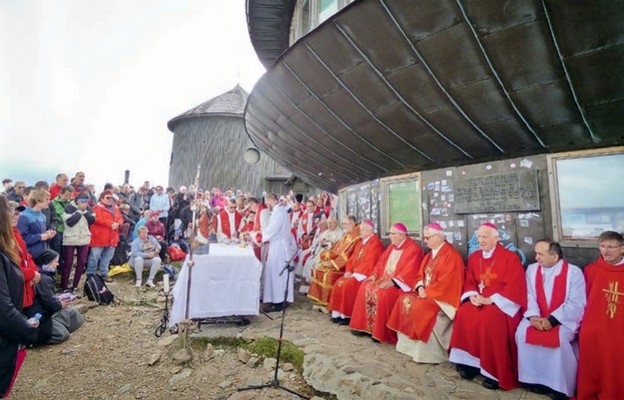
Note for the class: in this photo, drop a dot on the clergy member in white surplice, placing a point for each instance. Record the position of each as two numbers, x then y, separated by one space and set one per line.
281 249
547 335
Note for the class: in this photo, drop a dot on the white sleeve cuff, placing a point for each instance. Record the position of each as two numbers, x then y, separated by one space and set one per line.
402 285
468 294
359 277
507 306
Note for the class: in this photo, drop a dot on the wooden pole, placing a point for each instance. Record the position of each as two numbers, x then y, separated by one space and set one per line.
190 262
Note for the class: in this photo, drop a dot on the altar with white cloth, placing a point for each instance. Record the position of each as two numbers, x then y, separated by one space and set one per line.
224 283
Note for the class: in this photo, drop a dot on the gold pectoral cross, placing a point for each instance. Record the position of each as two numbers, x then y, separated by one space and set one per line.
485 281
613 298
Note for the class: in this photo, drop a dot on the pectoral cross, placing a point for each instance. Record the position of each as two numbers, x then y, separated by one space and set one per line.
485 281
613 298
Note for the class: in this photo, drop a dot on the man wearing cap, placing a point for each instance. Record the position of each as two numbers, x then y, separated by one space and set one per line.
333 262
485 326
423 319
365 255
546 336
601 339
394 273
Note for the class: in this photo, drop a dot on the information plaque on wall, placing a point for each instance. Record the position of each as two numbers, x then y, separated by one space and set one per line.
516 191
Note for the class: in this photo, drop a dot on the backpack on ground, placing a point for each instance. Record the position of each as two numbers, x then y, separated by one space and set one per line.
96 290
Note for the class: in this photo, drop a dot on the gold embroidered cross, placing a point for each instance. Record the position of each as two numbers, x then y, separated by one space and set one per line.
485 280
613 298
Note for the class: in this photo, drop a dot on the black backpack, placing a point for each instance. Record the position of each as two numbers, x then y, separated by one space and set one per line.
96 290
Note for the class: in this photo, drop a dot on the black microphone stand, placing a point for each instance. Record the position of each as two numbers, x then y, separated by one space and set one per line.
275 382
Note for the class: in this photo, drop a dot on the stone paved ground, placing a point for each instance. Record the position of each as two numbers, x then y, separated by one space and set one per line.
115 356
357 368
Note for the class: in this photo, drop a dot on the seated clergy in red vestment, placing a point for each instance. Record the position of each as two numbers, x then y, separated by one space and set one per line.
423 318
360 265
601 339
483 337
547 335
333 262
394 274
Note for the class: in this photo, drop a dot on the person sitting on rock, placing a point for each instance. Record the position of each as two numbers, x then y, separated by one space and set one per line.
144 252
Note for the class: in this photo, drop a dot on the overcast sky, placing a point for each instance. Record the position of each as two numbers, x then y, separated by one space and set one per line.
90 84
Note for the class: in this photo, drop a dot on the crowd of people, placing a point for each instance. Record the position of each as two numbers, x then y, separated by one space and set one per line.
540 328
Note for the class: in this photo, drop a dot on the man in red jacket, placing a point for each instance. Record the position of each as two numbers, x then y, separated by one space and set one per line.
104 235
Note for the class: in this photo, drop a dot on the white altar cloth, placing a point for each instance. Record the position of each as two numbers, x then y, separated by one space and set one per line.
225 282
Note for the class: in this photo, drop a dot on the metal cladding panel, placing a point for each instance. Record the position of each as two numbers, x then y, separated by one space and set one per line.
414 85
557 94
583 26
521 58
421 19
391 86
309 70
454 58
372 38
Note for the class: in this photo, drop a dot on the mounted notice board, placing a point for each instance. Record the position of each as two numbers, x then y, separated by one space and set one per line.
515 191
401 203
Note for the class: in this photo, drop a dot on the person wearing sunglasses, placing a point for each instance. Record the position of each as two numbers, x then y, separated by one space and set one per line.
16 193
104 235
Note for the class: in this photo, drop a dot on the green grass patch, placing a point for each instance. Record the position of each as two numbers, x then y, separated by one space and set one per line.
266 347
263 347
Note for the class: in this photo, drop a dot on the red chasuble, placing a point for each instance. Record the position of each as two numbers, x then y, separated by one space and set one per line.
362 261
332 267
601 338
486 332
548 338
443 278
374 305
226 229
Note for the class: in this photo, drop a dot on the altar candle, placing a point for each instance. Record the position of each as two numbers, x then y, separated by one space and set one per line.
166 283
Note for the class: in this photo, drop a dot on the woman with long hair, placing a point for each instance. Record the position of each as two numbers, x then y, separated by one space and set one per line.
14 327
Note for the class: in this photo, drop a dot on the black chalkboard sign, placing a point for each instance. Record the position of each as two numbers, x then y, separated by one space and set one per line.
516 191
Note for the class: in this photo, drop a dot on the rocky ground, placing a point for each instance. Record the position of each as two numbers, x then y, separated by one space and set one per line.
116 355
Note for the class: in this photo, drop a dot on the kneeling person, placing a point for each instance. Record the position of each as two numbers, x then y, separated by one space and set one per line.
145 251
58 319
546 337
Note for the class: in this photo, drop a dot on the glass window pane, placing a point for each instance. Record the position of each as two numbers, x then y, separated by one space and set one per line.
591 195
327 8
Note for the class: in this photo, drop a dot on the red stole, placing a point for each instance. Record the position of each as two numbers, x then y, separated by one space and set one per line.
548 338
226 229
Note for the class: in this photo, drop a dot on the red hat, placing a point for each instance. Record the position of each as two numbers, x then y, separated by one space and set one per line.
490 225
400 227
435 226
369 223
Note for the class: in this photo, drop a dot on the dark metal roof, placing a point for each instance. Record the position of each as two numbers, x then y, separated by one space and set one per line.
388 86
268 22
231 103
